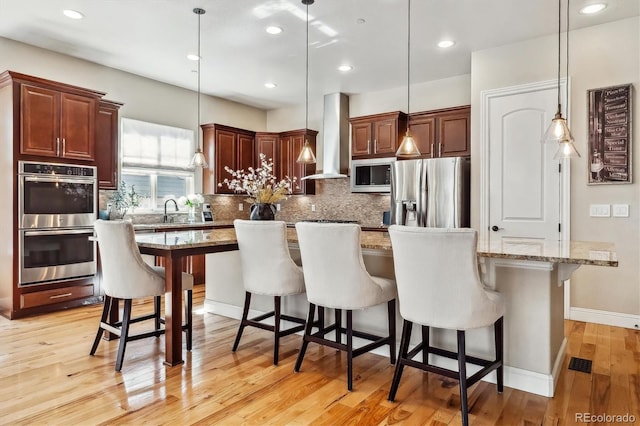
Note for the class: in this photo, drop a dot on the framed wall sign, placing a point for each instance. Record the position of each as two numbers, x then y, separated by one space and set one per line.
610 139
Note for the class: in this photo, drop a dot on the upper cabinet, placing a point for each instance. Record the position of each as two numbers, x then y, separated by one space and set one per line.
107 144
225 146
442 133
377 135
56 122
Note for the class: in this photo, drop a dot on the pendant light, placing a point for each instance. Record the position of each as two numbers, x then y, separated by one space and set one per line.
408 147
199 160
559 130
306 155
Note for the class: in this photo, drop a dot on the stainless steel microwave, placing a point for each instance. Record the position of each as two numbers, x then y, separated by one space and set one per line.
371 175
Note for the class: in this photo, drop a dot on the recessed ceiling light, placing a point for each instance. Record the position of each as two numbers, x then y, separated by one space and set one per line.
590 9
270 85
193 57
73 14
360 21
274 30
345 68
446 43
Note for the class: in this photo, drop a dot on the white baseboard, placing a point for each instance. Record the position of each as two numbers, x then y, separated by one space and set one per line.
616 319
517 378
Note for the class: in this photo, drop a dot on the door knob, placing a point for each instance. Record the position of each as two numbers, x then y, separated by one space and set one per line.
495 228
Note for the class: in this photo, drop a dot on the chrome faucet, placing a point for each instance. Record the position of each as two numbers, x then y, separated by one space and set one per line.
165 218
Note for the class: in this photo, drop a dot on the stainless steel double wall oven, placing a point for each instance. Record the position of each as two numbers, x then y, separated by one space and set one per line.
57 206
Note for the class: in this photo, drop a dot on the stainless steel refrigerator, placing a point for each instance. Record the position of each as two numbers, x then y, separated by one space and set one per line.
432 192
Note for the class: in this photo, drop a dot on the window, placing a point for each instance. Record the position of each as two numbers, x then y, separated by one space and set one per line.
155 159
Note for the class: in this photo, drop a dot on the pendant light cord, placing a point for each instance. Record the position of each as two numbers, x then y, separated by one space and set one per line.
559 31
566 83
198 11
306 87
408 57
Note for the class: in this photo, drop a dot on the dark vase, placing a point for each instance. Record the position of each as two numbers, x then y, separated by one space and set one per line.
262 211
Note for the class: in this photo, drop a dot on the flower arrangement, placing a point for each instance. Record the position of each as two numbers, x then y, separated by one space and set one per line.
260 184
191 200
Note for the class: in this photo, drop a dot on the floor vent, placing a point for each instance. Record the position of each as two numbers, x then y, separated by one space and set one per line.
580 364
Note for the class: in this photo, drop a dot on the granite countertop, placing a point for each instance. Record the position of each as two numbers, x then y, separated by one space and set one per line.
182 225
571 252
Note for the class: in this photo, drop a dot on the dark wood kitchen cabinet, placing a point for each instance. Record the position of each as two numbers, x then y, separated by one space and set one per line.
107 144
225 146
45 121
442 133
56 122
377 135
284 148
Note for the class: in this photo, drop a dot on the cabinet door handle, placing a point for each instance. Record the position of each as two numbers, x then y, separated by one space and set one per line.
368 146
432 149
58 296
440 149
64 146
57 147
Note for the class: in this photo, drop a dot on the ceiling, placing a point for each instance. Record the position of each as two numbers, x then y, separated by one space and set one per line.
151 38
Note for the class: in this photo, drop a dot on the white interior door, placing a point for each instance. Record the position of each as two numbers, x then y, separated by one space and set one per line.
524 193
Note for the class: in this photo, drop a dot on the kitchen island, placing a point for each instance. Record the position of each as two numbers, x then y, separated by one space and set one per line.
529 275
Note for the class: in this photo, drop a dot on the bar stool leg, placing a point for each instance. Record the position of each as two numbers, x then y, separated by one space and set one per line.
391 311
243 321
499 343
305 342
338 325
156 311
103 318
124 333
425 343
189 317
404 349
462 368
276 328
349 349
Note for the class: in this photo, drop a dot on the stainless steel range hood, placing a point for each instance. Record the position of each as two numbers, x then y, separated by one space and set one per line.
335 138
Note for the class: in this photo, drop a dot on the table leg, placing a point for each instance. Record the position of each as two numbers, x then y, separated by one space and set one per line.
173 309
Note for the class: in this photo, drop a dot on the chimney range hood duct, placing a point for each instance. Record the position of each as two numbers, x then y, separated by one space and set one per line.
335 134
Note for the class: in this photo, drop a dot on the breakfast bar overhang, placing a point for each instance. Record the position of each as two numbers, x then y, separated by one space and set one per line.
529 274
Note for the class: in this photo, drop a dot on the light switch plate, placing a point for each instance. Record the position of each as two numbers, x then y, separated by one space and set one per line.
621 210
240 207
600 210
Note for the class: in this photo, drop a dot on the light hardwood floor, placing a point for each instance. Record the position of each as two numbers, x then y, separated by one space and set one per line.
48 377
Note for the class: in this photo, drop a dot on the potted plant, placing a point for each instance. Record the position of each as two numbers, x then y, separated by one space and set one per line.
123 199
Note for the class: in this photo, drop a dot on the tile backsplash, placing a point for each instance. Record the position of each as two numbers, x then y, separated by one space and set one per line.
333 200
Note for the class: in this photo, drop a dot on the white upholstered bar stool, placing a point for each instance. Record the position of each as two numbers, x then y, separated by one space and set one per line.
336 278
126 276
267 269
439 286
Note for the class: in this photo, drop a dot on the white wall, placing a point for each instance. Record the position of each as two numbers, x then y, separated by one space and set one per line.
600 56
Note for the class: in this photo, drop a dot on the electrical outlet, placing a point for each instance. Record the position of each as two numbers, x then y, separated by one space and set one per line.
600 210
278 207
240 207
621 210
313 207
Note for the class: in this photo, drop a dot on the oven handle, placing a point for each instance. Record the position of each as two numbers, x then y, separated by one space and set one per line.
58 232
62 178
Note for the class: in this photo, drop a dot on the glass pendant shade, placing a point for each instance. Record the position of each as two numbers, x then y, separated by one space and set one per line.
408 147
199 160
306 155
566 149
558 130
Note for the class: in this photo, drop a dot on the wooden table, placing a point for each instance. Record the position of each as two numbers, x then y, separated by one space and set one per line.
172 247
